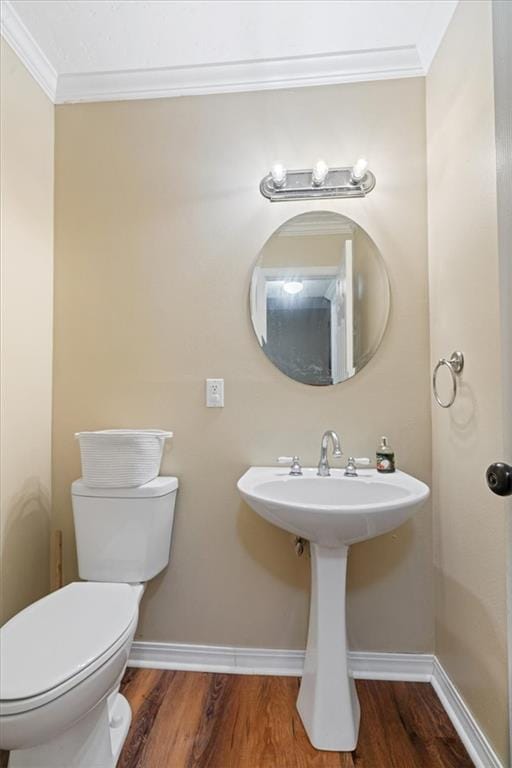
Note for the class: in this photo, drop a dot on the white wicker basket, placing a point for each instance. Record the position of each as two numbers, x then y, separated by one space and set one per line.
121 458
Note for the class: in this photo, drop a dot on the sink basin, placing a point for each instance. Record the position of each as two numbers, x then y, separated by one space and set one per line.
332 513
332 510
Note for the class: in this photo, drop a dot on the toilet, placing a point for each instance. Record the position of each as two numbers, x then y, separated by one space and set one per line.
63 657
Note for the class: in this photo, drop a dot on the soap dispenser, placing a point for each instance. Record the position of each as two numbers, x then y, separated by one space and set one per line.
385 457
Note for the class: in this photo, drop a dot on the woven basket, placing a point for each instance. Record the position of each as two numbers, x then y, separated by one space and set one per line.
121 458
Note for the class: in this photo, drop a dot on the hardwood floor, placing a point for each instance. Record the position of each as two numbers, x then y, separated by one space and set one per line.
200 720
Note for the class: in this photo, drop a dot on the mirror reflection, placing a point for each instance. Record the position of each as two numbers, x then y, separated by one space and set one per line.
319 298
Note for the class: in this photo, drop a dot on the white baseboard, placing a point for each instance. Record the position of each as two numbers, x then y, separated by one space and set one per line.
216 658
479 749
364 665
411 667
263 661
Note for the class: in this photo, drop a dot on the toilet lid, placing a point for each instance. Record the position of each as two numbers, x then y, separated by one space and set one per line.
62 634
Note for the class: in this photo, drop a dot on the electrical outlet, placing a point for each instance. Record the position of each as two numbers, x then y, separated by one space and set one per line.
215 393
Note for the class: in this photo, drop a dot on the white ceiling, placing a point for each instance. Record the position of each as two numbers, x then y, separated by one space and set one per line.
104 49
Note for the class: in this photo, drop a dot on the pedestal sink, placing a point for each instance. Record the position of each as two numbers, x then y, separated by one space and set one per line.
332 513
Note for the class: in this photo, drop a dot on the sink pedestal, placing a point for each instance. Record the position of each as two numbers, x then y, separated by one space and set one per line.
327 702
331 513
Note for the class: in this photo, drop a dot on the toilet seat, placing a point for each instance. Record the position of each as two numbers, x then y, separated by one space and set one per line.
62 639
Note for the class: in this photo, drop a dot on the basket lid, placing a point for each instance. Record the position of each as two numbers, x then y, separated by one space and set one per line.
126 433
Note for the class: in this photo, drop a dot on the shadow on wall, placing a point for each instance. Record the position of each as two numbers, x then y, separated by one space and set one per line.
384 554
254 534
464 412
25 552
266 543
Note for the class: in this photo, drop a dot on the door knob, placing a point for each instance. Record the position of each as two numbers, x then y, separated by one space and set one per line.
499 478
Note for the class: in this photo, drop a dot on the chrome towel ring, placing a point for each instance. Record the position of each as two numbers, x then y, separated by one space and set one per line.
455 365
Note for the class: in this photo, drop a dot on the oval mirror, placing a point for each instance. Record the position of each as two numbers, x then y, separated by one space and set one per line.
319 298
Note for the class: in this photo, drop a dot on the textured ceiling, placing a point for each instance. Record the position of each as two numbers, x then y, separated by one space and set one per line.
85 36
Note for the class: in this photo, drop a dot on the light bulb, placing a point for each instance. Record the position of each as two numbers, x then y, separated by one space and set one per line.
319 173
359 171
278 173
293 286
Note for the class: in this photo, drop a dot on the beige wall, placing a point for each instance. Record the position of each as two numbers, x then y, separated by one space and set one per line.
470 557
159 221
304 251
27 134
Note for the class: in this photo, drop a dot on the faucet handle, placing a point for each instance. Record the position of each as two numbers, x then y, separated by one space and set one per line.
351 468
295 468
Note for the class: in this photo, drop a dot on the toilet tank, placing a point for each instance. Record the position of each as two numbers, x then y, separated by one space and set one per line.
123 534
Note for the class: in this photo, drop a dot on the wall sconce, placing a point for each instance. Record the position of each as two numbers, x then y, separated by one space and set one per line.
319 182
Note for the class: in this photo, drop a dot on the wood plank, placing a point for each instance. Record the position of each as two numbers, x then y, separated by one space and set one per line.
145 691
56 560
178 722
137 685
252 721
201 720
429 727
382 736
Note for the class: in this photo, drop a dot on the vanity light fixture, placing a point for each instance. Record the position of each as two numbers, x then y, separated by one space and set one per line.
319 182
293 287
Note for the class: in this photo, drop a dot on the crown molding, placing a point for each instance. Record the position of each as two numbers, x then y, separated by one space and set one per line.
23 44
351 67
231 77
434 29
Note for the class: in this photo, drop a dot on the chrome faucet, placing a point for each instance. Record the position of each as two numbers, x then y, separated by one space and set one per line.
323 464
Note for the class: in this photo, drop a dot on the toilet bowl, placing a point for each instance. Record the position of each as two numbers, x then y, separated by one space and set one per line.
63 657
66 655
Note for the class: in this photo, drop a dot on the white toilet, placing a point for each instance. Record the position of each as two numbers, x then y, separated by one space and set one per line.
63 657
